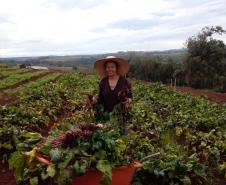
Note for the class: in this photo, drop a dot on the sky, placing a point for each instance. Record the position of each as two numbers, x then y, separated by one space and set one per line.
70 27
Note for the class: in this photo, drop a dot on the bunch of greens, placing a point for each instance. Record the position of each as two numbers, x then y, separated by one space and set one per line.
100 150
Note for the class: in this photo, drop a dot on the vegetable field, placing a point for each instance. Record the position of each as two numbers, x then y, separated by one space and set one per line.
48 134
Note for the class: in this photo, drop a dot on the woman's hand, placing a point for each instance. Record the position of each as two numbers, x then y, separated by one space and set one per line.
127 102
93 100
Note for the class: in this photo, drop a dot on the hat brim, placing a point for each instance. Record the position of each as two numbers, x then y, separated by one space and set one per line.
123 66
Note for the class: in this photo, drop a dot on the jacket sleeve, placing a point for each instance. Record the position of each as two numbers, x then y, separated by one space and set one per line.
100 94
128 83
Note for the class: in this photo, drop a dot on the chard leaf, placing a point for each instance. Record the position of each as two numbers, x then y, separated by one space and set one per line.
7 146
31 155
45 149
31 136
34 181
16 163
69 156
186 180
105 167
55 155
51 171
79 168
64 177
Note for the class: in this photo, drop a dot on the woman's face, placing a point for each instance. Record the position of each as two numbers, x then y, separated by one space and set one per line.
111 69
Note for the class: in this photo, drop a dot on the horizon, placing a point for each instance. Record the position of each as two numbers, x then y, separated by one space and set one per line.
8 57
71 27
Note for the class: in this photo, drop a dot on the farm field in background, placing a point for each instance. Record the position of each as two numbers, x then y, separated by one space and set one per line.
39 106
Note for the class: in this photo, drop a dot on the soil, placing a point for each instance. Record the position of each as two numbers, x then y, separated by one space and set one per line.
6 98
6 177
65 113
25 81
211 96
3 77
218 178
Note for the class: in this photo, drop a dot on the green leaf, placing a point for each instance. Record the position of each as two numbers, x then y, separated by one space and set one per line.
101 154
179 131
79 168
186 180
84 146
222 167
67 159
7 146
45 149
97 145
105 167
17 162
51 171
31 155
31 136
55 155
120 147
34 181
44 175
63 177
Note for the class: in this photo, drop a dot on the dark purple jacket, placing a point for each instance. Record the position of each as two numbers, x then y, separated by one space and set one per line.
109 98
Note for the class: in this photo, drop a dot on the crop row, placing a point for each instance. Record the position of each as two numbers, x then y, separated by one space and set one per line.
15 78
189 132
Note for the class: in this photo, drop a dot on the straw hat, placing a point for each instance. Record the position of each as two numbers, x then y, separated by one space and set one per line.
123 65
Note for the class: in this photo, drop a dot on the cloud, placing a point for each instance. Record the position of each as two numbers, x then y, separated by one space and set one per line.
48 27
134 24
4 19
72 4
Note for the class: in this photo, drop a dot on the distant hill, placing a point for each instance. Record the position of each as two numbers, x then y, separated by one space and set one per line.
88 60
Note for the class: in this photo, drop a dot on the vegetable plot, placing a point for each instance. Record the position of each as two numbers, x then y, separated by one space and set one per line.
189 132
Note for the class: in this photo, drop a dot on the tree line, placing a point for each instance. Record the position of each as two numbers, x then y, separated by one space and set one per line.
203 64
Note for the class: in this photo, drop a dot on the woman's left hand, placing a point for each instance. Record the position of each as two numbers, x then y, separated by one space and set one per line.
127 102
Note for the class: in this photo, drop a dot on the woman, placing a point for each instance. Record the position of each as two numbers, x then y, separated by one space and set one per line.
113 82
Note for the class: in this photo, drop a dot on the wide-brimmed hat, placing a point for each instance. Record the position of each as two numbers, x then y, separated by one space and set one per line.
123 65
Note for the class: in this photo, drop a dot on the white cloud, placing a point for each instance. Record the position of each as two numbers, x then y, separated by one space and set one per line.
31 27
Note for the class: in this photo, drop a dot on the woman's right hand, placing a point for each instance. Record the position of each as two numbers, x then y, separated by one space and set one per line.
93 100
127 102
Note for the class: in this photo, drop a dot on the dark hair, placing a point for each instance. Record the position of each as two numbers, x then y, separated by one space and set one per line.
116 64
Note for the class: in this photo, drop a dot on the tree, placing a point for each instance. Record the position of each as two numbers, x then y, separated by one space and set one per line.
75 68
205 65
153 68
23 65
